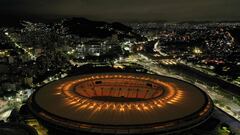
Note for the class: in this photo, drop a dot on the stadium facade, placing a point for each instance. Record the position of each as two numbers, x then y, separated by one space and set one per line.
120 103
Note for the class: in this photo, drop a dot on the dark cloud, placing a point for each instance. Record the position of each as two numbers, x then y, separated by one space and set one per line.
142 10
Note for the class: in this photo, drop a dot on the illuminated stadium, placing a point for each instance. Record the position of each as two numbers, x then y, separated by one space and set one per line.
120 103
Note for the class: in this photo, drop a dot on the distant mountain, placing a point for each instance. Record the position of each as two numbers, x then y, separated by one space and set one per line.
87 28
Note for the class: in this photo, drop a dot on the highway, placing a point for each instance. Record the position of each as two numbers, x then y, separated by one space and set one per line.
221 101
207 78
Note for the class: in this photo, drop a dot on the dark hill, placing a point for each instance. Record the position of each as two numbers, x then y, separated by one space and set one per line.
99 29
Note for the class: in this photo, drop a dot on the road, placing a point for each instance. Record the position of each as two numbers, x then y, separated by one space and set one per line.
19 46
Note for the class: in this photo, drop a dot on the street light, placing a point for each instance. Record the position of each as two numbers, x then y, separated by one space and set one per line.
197 50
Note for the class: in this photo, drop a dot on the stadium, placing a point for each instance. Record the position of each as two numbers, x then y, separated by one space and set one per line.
120 103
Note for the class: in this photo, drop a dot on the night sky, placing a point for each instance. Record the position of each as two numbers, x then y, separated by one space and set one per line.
127 10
